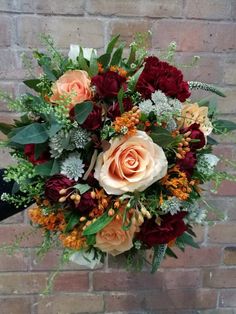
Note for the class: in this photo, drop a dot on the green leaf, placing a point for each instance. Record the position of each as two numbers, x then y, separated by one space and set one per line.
91 239
50 75
132 55
98 225
39 149
112 44
48 168
133 81
82 187
116 58
34 133
161 136
82 62
6 128
82 111
33 84
186 238
54 126
120 97
223 126
170 253
93 66
73 221
158 255
105 59
211 141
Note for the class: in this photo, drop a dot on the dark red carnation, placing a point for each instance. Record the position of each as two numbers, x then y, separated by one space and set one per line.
159 75
188 163
114 109
108 84
54 185
86 204
196 134
172 226
94 119
29 151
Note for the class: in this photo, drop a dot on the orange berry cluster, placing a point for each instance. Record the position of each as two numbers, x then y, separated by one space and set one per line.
73 240
119 70
126 124
183 146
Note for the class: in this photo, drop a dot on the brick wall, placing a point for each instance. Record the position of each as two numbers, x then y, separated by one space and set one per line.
200 281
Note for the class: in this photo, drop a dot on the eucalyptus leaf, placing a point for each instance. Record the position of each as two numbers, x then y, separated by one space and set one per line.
31 134
161 136
82 111
48 168
82 187
33 84
223 126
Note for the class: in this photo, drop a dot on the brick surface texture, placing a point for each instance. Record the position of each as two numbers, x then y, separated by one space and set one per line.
200 281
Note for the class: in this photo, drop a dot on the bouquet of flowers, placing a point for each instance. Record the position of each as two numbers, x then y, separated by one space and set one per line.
113 152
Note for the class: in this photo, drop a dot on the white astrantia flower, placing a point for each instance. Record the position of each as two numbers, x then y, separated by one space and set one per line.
207 163
73 167
85 258
196 214
75 50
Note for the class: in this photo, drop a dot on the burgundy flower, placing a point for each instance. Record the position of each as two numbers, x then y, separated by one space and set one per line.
29 151
158 75
172 226
54 185
114 109
196 134
94 119
188 163
108 84
87 203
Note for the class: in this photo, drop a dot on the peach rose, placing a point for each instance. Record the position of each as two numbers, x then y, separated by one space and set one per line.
113 239
74 83
193 113
130 164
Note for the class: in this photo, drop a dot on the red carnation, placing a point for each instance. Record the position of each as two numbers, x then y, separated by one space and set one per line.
108 84
158 75
87 203
188 163
54 185
29 151
196 134
94 119
114 109
172 226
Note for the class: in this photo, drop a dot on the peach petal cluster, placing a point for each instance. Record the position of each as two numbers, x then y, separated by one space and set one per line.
193 113
130 164
113 239
74 84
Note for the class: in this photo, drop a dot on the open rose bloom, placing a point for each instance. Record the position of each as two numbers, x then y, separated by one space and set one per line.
114 152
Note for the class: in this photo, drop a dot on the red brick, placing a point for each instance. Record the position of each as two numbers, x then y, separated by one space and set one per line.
128 28
230 255
180 279
191 258
229 73
31 237
72 7
64 30
16 262
67 303
219 278
126 281
227 188
136 8
208 69
228 298
222 233
22 283
12 305
8 68
195 35
6 31
212 9
125 302
182 299
71 282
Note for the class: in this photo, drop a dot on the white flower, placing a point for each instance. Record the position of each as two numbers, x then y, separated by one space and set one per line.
131 164
207 163
88 259
73 167
75 50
